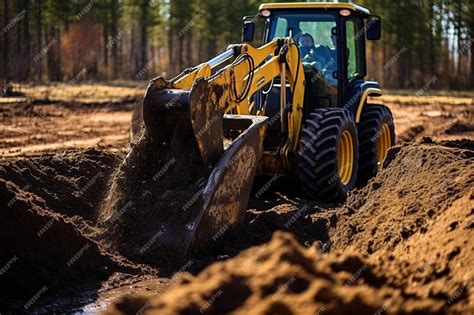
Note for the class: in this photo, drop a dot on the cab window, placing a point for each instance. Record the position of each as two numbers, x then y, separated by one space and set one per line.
281 29
354 38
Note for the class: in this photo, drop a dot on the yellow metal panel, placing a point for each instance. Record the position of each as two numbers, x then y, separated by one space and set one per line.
364 97
187 81
313 5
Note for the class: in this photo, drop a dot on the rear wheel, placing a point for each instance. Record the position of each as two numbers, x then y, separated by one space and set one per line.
376 135
328 155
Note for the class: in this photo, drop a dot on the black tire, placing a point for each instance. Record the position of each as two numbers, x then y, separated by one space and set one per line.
372 118
319 151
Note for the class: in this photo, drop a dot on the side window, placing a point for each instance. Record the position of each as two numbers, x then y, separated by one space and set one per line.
353 41
281 27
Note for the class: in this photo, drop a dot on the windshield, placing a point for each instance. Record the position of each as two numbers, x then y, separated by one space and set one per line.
315 35
313 29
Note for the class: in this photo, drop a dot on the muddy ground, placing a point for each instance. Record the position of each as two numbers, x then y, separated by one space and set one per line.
402 244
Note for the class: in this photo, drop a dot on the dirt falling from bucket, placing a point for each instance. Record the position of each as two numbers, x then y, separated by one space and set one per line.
155 183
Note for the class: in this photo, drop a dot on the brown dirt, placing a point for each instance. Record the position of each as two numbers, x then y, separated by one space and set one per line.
156 183
32 130
403 244
282 277
396 247
47 224
440 121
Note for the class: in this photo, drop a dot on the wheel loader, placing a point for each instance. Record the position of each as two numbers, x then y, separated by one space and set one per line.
297 105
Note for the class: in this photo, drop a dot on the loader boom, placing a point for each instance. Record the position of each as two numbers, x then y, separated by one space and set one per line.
230 90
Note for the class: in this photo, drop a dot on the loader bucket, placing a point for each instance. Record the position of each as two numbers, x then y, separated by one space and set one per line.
223 201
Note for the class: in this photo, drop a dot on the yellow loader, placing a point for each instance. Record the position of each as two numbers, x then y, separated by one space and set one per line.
295 106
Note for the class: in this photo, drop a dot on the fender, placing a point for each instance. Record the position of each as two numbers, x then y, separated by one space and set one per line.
368 92
360 92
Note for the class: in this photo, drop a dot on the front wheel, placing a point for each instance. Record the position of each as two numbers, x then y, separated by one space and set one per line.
329 155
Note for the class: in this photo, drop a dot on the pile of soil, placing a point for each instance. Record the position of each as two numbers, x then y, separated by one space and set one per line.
48 208
403 244
416 219
417 183
159 183
283 277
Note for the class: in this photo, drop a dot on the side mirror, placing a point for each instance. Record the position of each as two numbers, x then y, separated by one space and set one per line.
248 31
374 28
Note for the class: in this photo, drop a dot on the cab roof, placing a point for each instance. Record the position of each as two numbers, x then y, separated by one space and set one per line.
313 5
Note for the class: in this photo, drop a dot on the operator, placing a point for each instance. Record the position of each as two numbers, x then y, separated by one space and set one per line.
307 48
312 57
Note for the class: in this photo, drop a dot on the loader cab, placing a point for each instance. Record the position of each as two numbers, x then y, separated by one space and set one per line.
336 66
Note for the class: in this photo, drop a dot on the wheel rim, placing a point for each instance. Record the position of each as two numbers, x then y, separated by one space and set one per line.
384 142
345 157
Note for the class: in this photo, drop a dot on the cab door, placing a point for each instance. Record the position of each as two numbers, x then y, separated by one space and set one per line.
353 59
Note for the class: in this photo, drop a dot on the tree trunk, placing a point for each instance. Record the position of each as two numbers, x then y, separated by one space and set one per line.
54 55
432 28
17 62
189 49
26 46
6 75
105 38
171 50
180 51
115 39
472 64
143 33
458 26
133 60
39 64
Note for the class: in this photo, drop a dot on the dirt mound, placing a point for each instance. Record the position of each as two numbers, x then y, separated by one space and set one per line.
438 263
282 277
416 184
71 183
401 245
417 219
48 209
